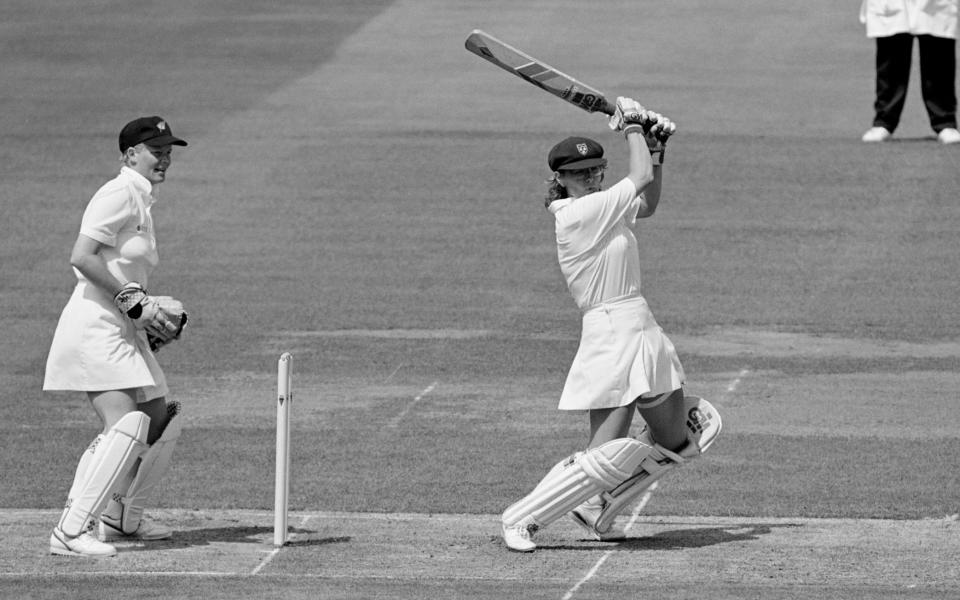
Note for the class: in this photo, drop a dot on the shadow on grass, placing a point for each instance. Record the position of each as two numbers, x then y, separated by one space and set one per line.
682 539
909 140
236 535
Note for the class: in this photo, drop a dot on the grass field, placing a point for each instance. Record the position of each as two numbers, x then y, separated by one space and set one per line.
362 192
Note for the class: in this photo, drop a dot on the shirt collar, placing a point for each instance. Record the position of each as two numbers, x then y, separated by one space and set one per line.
141 183
556 205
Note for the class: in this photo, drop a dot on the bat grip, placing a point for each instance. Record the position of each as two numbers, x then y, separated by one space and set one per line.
607 108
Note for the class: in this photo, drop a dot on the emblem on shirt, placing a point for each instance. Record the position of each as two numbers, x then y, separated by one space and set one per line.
582 149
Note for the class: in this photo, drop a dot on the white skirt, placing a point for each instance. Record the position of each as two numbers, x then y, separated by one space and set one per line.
94 349
623 354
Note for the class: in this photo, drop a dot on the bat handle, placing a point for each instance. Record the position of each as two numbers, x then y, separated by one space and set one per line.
606 108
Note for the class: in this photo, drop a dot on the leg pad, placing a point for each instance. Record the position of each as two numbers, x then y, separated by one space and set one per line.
125 510
114 457
703 426
573 480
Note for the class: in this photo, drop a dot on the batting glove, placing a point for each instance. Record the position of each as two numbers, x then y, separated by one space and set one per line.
629 116
656 137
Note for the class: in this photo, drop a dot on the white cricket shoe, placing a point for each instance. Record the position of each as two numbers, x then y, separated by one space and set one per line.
950 135
147 531
85 544
518 537
586 516
876 134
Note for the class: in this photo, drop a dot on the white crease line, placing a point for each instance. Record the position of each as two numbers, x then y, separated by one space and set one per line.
603 559
643 503
266 561
396 420
587 577
736 382
395 371
273 553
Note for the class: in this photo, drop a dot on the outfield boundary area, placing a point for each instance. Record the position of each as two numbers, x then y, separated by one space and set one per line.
405 547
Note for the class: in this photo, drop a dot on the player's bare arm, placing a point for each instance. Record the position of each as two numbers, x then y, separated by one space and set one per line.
155 317
86 258
633 120
639 163
650 197
646 133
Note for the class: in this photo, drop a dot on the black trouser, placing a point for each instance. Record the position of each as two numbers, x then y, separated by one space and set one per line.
938 65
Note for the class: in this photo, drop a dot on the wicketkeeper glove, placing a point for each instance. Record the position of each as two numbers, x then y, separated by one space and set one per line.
162 317
172 310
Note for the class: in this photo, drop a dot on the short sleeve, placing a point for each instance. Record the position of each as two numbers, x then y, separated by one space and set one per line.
593 216
110 209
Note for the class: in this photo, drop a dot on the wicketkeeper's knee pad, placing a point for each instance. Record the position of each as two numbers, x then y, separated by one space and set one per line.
115 456
573 480
703 426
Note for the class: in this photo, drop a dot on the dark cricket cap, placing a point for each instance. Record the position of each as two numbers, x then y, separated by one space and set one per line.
148 129
576 153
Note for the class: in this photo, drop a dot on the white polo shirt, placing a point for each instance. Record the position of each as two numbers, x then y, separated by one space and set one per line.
118 216
94 348
596 247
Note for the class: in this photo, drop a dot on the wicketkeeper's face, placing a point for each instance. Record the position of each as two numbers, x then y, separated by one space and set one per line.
151 161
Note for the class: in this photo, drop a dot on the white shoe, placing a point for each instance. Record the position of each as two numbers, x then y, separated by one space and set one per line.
85 544
518 537
876 134
586 516
950 135
147 531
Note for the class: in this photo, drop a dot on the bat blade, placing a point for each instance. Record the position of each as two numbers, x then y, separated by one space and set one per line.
537 72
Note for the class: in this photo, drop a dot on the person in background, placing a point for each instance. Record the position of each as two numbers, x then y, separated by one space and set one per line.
895 24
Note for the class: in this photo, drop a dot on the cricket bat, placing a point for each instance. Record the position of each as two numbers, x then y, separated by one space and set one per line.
538 73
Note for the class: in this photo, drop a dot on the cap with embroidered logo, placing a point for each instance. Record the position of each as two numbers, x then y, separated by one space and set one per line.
576 153
148 129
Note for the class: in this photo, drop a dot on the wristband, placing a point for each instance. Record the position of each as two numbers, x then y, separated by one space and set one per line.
128 299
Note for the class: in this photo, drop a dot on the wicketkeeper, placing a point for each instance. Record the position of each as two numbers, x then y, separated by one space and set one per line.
104 345
624 363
